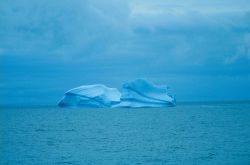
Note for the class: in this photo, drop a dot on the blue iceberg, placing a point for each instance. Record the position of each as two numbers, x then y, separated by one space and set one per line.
141 93
135 94
97 95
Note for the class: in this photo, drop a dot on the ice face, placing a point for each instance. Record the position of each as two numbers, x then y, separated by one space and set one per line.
141 93
91 96
137 93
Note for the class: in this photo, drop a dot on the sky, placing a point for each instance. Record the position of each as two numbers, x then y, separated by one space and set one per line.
200 49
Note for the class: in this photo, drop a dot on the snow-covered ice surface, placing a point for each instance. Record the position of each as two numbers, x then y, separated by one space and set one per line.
135 94
97 95
141 93
198 133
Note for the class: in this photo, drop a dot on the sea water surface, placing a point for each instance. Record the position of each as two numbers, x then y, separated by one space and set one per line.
191 133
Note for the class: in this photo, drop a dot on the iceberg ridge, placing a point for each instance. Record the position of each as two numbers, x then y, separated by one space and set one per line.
97 95
141 93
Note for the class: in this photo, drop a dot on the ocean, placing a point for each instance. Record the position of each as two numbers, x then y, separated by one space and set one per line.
190 133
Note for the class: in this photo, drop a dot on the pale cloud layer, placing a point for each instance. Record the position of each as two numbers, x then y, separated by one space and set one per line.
125 28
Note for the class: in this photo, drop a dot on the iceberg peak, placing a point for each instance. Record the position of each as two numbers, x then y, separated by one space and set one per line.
141 93
97 95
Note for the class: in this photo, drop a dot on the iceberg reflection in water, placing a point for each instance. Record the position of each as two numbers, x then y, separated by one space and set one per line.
135 94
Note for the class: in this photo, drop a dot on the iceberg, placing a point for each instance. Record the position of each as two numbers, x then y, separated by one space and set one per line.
141 93
135 94
97 95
